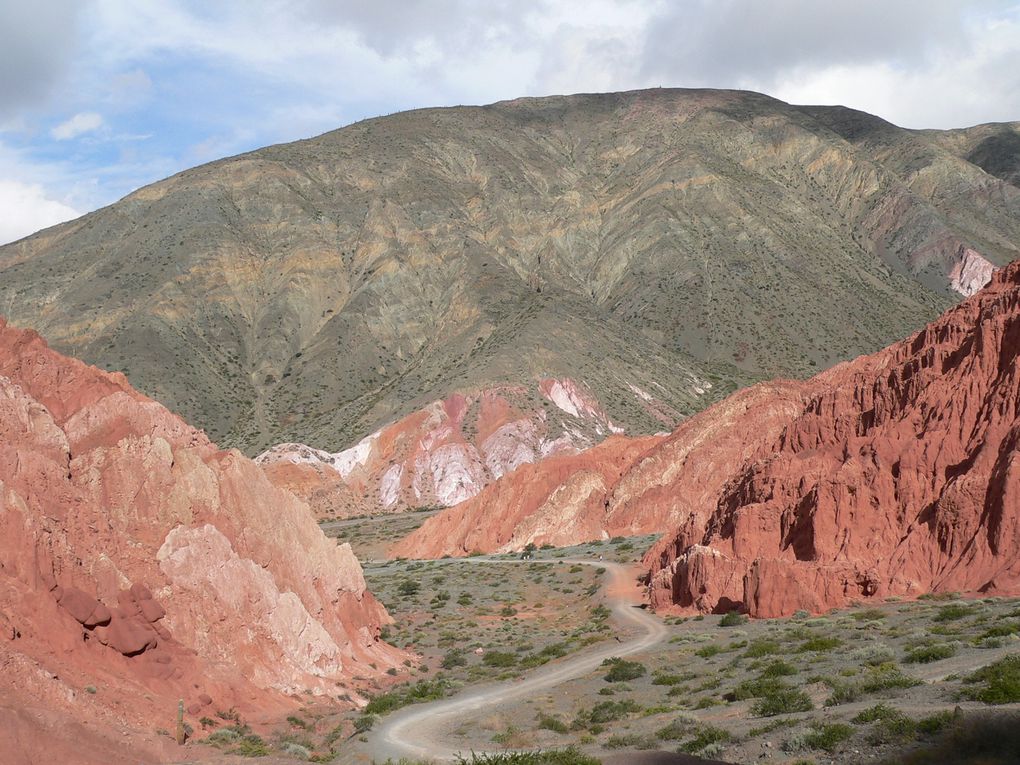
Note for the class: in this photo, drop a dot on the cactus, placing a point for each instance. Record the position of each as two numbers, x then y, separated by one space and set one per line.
181 734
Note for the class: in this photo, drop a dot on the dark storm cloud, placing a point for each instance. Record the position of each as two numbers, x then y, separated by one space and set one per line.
723 41
37 41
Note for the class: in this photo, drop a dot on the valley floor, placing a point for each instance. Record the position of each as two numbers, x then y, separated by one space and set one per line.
519 654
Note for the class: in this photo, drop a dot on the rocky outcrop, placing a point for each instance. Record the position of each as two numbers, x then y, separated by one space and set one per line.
444 453
900 475
137 557
623 486
971 272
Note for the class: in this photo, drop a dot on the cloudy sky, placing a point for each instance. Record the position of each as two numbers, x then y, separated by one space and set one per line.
98 97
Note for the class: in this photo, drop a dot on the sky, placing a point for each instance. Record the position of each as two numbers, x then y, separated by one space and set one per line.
99 97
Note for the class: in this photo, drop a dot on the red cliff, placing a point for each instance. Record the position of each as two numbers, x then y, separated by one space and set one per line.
140 564
900 475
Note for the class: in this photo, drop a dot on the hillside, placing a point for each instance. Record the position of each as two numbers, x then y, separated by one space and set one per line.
682 242
141 565
894 474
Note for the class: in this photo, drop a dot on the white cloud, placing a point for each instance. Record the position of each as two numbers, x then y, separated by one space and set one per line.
83 122
27 208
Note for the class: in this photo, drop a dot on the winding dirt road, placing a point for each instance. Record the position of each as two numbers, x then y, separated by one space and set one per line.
417 731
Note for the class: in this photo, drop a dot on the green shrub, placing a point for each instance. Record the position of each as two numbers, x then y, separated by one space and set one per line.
423 690
605 711
970 740
706 736
761 647
501 659
828 736
868 615
756 688
926 654
621 670
665 678
876 712
454 658
732 619
781 701
677 729
708 651
997 683
820 643
568 756
251 746
779 668
953 612
876 679
548 722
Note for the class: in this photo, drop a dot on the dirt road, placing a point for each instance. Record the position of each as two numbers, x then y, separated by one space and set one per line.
418 731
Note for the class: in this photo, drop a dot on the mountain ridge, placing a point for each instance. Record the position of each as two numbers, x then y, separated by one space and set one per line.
315 291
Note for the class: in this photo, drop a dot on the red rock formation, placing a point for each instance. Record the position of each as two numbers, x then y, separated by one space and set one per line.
445 453
623 486
899 476
138 558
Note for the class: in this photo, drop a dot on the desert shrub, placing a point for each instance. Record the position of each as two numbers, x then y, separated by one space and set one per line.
555 724
364 723
884 677
891 728
568 756
1000 630
971 740
780 701
779 668
621 670
605 711
761 647
997 683
706 736
677 729
251 746
407 588
932 724
868 615
501 659
708 651
827 736
952 612
732 619
925 654
667 678
756 688
873 713
630 741
454 658
820 643
873 655
423 690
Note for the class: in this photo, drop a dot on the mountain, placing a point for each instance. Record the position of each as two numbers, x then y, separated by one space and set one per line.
140 561
895 474
676 242
446 452
623 486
